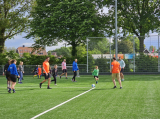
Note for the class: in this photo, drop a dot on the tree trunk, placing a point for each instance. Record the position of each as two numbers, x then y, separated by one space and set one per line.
74 50
141 49
2 40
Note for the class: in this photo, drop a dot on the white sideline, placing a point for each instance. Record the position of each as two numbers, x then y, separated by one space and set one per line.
60 104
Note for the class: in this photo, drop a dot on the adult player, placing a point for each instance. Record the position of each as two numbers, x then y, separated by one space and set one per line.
46 72
64 68
74 69
20 67
7 74
54 74
115 70
122 64
13 75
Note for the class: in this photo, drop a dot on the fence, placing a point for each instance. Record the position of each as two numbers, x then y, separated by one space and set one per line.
138 58
28 69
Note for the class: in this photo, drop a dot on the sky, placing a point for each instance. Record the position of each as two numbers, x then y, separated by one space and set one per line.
19 40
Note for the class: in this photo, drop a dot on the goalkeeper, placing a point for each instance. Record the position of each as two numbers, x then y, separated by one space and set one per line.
95 73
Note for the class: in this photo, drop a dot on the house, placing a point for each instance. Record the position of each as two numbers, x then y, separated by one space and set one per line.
146 51
54 53
23 49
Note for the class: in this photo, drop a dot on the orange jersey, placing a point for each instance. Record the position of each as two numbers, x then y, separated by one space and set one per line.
39 71
116 67
46 66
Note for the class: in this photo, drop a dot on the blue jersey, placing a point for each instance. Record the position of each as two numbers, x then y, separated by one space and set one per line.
12 69
74 66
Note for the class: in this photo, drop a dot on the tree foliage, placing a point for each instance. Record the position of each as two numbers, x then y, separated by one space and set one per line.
138 17
152 48
125 46
14 17
64 51
99 44
70 20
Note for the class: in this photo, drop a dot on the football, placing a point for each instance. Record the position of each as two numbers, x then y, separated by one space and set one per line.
93 85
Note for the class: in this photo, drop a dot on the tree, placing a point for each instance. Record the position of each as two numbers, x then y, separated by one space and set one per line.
64 51
125 46
12 55
152 48
13 18
101 44
70 20
9 49
138 17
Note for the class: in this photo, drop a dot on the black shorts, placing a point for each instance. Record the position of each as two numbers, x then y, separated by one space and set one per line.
95 76
13 78
64 71
122 69
54 77
48 76
7 75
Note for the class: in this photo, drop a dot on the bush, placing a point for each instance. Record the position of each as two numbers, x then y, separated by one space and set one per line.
145 63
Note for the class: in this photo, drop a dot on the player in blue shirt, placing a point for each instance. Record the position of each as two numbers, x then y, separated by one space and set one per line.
13 75
74 69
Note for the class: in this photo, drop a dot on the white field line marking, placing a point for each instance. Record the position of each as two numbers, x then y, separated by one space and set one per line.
61 104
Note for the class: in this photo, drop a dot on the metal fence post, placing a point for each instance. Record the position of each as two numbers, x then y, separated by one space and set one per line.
158 54
87 55
116 46
110 52
134 54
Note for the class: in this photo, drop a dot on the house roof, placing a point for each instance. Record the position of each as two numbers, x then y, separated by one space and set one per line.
146 51
21 50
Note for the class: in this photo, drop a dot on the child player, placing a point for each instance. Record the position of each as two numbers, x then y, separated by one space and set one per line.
39 71
54 74
95 74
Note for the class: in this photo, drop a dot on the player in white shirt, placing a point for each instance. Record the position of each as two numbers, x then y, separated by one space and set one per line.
122 64
64 68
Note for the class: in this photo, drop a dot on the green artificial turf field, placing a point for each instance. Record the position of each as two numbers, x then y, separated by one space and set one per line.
139 98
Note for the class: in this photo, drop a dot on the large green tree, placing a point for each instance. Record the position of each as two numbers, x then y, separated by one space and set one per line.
64 51
68 20
152 49
135 16
14 17
101 44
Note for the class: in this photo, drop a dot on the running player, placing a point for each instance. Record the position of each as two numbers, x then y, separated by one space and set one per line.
39 71
13 75
54 74
74 69
122 64
47 75
35 71
115 70
7 74
20 68
95 74
64 68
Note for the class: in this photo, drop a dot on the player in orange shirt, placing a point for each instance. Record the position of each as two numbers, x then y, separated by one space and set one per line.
115 70
39 71
46 72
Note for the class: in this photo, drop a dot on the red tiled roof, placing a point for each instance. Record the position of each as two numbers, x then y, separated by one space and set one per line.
21 50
